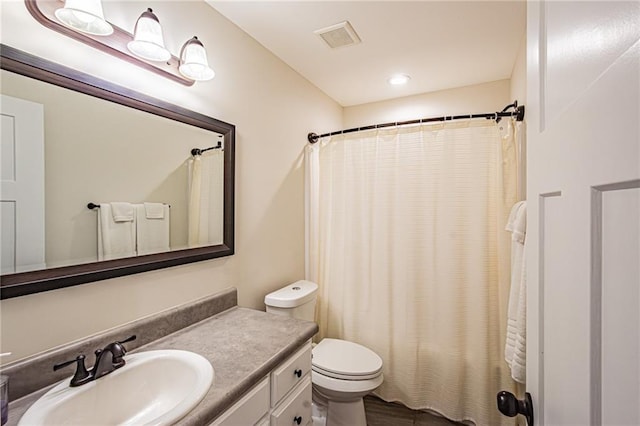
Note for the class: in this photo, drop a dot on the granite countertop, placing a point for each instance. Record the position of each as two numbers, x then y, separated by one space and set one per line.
243 346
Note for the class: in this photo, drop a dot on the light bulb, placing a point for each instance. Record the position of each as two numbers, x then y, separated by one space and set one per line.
193 61
85 16
148 42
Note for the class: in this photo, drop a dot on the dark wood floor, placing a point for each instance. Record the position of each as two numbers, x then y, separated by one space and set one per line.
381 413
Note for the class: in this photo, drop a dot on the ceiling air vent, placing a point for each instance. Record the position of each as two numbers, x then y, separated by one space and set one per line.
339 35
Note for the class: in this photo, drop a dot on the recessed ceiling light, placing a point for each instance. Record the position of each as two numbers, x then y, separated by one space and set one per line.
398 79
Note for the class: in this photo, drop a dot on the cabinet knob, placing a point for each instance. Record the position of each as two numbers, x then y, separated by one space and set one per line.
298 374
297 420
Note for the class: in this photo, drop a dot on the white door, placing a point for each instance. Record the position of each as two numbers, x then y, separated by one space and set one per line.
22 186
583 235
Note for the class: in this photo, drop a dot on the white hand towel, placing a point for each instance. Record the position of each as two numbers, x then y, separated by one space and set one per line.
154 210
122 212
519 358
517 222
515 347
152 234
115 239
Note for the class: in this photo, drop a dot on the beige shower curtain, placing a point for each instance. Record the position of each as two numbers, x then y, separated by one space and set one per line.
406 240
206 199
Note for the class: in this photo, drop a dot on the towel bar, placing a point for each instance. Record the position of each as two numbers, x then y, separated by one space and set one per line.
92 206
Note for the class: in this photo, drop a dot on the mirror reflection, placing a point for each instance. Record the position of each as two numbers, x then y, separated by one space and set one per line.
154 195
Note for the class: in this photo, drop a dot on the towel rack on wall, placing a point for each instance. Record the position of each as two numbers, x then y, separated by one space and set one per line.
92 206
518 112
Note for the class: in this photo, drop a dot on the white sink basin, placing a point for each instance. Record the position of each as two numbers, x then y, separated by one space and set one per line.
153 388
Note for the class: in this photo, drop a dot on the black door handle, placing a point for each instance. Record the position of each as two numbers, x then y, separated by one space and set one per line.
511 406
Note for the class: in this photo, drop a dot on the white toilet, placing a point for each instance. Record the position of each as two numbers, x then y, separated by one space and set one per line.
342 372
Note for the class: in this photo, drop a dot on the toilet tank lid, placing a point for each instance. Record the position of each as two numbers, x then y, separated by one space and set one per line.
293 295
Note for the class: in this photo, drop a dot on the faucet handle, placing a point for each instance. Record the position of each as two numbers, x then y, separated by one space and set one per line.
81 375
118 350
128 339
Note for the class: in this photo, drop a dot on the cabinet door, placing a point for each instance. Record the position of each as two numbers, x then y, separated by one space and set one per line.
290 373
249 410
296 408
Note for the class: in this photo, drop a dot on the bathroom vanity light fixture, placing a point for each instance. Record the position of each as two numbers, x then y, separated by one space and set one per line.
83 20
85 16
148 42
193 61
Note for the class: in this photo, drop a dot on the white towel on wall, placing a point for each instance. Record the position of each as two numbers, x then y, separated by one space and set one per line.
116 239
515 347
153 224
122 212
154 210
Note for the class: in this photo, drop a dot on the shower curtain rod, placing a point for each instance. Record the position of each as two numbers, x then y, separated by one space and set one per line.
197 151
518 112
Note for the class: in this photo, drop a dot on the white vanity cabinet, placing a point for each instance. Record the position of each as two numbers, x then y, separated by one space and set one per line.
281 398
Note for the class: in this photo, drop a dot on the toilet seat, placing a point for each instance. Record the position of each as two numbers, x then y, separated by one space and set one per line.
343 360
347 388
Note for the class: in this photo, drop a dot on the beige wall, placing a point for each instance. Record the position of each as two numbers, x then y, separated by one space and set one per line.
519 74
273 108
479 98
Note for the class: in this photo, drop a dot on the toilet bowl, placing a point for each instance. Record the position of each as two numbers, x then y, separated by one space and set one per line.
342 372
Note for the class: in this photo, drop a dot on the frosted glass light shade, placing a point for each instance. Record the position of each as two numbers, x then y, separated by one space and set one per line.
85 16
148 42
193 61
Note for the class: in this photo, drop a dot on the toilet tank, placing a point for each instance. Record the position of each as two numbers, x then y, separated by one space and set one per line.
296 300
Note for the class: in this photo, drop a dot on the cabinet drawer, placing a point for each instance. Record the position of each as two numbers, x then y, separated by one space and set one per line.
296 408
249 410
290 373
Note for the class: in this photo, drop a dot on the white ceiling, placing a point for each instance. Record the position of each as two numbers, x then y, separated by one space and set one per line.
440 44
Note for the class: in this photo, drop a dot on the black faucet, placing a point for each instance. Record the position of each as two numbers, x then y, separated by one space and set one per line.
108 359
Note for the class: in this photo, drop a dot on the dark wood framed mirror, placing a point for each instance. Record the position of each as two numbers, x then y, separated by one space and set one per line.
24 283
